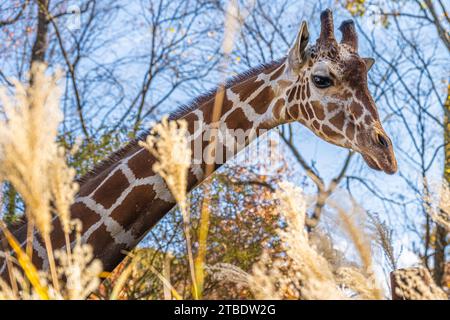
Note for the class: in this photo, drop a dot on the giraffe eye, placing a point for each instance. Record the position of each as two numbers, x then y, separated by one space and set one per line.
322 82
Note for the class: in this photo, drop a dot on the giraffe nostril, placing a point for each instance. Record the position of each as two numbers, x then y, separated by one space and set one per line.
382 141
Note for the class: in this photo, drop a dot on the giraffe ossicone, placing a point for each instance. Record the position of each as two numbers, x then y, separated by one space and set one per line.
323 86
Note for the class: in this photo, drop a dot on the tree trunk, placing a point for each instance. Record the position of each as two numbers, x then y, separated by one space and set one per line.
40 43
441 232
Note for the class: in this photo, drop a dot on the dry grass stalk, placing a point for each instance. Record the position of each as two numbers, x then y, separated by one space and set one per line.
166 282
78 268
233 21
166 275
384 238
28 148
361 242
303 273
27 266
312 272
63 191
24 142
32 162
365 286
228 272
168 143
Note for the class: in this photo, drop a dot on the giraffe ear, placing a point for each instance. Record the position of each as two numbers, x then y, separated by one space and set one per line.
297 54
369 62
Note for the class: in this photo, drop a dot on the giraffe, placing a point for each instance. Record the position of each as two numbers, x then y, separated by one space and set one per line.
322 86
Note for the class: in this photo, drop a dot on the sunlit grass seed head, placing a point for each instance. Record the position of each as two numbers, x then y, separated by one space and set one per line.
27 141
168 143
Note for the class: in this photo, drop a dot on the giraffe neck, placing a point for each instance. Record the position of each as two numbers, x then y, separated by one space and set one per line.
123 201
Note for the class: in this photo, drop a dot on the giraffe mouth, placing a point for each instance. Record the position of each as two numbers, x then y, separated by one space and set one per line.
374 164
371 162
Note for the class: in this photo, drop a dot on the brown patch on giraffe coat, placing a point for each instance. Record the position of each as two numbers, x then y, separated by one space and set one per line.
318 110
316 125
103 240
111 189
350 131
138 200
294 111
364 97
208 108
227 105
246 89
338 120
145 222
57 236
261 102
343 94
368 119
141 164
308 90
291 94
309 111
277 108
191 118
331 133
90 185
112 254
303 110
237 119
356 109
360 138
332 106
80 211
303 93
347 94
277 73
297 94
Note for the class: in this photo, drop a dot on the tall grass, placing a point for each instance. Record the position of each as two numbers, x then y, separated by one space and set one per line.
32 162
168 142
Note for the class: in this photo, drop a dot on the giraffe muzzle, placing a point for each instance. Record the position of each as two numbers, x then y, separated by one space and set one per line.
380 155
376 165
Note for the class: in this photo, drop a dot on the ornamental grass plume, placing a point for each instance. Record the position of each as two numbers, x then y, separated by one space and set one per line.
63 188
28 149
78 269
302 272
27 142
309 275
168 143
36 167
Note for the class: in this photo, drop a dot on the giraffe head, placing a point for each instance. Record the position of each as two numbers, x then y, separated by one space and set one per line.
325 87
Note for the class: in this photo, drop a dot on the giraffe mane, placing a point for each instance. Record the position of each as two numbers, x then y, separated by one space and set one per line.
187 108
177 114
112 158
